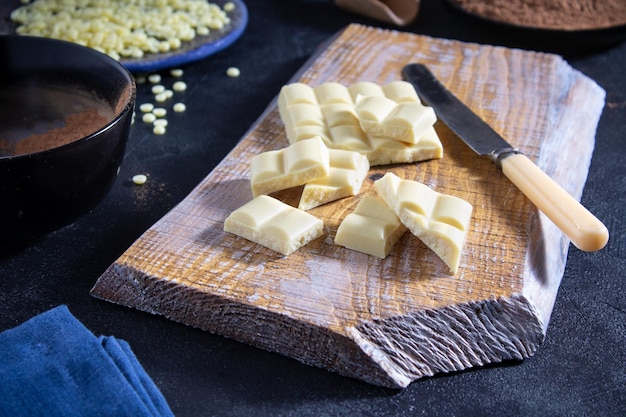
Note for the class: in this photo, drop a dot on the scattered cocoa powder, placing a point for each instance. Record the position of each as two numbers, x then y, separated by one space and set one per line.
551 14
76 126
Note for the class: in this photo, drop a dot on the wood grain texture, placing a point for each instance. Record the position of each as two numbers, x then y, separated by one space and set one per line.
391 321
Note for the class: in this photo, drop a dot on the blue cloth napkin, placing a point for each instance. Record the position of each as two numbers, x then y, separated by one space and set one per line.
52 365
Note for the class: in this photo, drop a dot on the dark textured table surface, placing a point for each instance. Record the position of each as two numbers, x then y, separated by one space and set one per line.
579 370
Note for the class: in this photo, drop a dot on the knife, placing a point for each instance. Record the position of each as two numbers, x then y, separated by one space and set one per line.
583 229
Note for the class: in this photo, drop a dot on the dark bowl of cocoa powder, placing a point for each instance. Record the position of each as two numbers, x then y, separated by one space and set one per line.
587 23
65 116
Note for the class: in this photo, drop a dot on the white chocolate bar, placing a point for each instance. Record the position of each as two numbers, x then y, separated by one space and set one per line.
328 111
274 224
371 228
384 118
347 172
299 163
438 220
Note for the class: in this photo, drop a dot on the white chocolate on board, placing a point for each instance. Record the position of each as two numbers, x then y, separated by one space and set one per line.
347 171
328 111
297 164
372 228
383 117
438 220
274 224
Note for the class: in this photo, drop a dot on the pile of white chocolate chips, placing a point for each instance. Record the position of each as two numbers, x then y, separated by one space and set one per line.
122 29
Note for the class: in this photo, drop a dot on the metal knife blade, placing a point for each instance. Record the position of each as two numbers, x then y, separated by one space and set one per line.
477 134
584 230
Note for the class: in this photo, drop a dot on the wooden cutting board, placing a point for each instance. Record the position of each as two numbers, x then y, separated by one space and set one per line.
391 321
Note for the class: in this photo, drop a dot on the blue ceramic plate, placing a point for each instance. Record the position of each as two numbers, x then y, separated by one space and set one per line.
198 48
194 50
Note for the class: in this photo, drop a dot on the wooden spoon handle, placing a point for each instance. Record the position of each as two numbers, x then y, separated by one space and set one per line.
585 231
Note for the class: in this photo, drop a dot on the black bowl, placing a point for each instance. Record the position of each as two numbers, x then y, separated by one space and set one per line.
65 116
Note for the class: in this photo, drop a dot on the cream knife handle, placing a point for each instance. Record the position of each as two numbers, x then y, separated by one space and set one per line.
585 231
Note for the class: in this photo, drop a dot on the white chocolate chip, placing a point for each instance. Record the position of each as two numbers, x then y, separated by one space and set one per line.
148 118
233 72
158 88
179 86
159 112
146 107
154 78
140 179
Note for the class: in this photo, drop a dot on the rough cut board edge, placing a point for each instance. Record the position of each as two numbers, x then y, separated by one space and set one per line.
407 347
477 333
541 291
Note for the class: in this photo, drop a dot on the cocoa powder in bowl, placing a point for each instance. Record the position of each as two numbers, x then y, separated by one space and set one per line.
75 126
65 120
37 117
566 15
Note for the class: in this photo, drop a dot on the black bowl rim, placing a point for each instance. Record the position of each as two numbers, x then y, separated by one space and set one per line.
129 106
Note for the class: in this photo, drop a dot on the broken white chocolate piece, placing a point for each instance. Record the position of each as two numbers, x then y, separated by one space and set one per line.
328 111
299 163
274 224
384 151
347 172
438 220
384 118
371 228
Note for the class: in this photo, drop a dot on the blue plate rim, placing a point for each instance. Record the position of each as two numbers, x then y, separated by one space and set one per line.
202 51
156 62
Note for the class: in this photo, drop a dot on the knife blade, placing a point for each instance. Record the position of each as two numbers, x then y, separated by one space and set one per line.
583 229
